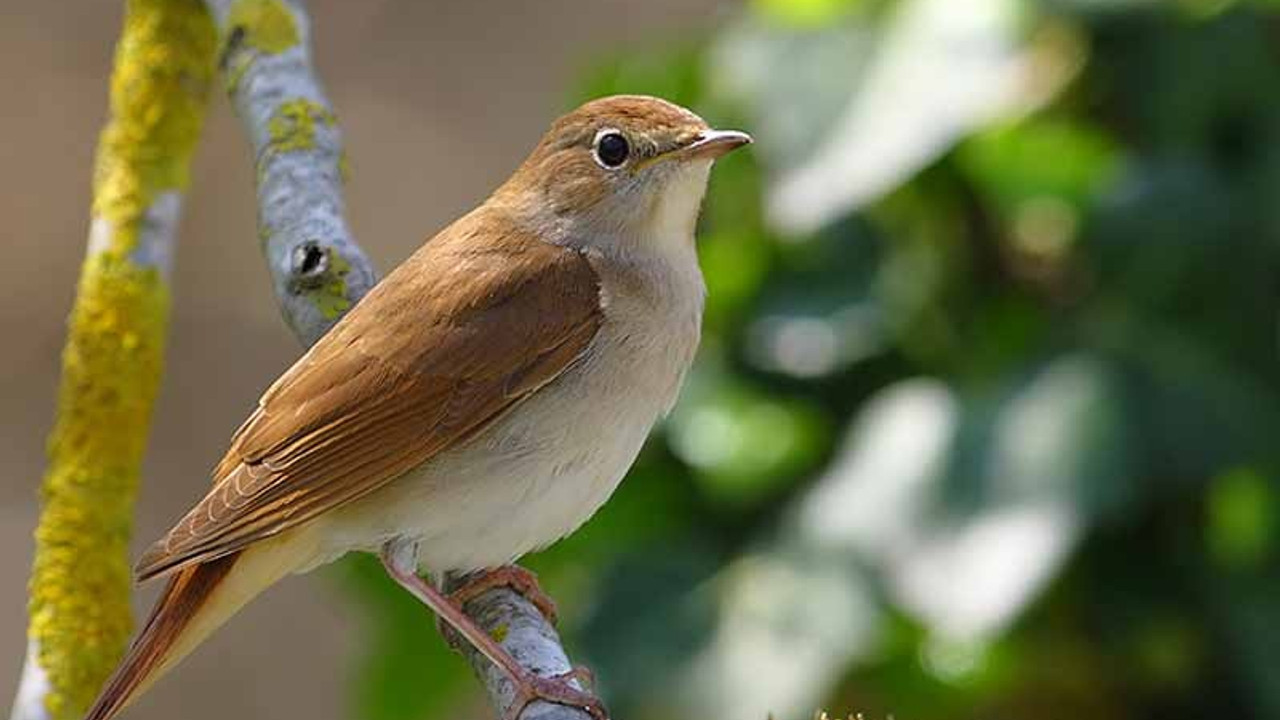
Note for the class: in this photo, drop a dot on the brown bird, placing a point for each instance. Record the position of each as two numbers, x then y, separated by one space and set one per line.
482 401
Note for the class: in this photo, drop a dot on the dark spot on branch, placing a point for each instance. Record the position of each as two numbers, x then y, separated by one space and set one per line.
235 39
309 266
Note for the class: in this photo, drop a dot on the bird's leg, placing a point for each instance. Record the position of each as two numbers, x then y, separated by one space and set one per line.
400 561
513 577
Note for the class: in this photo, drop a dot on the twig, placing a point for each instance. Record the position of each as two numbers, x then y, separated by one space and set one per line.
318 269
530 638
316 266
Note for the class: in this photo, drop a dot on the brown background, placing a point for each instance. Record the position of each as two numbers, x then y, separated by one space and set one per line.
439 100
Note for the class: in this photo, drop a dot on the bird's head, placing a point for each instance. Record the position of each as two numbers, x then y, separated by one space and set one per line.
621 169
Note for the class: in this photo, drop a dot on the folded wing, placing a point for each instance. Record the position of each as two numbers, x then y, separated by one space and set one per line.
478 319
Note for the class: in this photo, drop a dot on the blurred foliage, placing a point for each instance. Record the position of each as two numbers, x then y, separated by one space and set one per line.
992 431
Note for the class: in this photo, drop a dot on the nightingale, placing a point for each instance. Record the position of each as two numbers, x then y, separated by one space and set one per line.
482 401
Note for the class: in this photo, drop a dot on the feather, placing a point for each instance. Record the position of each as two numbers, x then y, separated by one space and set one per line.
475 321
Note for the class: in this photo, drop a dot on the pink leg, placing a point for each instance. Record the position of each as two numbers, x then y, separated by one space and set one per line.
516 578
529 687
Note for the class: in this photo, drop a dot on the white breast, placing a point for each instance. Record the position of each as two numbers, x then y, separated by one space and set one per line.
547 466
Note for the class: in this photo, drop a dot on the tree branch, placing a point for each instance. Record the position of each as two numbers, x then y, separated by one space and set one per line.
530 638
317 268
111 367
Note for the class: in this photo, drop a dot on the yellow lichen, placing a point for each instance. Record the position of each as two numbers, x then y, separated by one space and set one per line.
293 124
163 67
344 166
233 74
80 583
331 297
500 632
264 25
79 605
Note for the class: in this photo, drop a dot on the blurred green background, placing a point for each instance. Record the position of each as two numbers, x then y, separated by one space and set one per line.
985 419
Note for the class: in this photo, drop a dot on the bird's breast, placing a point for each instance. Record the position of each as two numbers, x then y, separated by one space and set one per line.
545 467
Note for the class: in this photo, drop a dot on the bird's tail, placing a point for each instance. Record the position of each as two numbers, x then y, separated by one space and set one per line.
197 600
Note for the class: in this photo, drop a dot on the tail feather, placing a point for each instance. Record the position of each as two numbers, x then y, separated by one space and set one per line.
188 591
198 599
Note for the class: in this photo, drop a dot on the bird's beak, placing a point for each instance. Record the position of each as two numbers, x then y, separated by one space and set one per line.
713 144
707 144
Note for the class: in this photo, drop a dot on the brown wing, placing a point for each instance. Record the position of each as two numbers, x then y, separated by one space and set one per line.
476 320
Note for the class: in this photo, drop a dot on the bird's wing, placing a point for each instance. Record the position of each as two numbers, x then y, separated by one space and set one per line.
477 320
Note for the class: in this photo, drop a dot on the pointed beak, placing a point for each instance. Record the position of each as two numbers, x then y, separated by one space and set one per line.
707 144
714 143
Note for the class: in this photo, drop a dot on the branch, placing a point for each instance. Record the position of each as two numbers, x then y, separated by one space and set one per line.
316 266
111 366
530 638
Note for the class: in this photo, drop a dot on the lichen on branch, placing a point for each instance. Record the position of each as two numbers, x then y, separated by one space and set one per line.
317 268
112 363
159 89
81 580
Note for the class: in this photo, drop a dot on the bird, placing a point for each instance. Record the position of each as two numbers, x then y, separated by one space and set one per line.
480 402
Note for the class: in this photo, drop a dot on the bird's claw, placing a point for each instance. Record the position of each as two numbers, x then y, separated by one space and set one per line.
513 577
556 689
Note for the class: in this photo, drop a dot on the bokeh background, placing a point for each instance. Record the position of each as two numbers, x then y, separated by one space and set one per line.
985 422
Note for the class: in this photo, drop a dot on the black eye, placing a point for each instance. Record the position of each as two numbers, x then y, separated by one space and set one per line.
612 149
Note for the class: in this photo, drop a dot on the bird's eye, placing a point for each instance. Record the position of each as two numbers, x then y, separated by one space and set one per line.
612 148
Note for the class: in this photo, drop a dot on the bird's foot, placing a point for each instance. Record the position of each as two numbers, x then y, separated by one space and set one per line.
513 577
555 689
